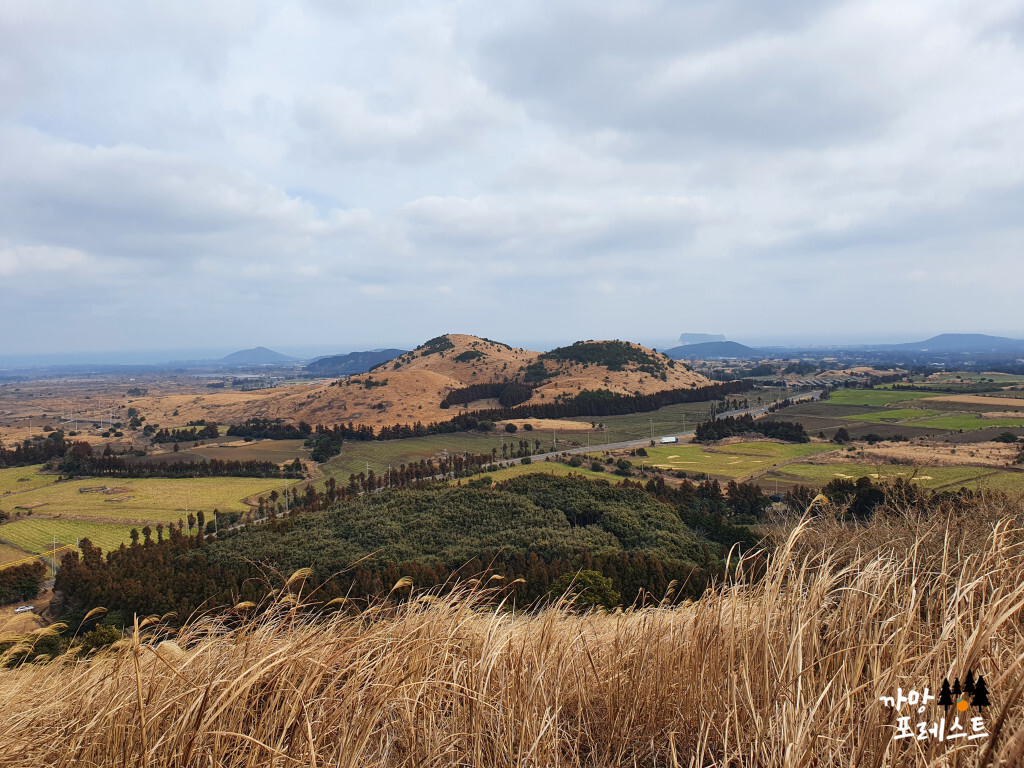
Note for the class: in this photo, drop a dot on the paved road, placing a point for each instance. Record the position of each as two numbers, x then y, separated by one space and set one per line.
761 410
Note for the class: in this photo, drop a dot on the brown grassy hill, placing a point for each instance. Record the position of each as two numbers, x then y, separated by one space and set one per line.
411 387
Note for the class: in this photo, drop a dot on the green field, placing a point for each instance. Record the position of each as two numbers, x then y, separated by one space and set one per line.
876 397
733 460
670 420
380 453
141 500
546 468
967 421
277 451
894 415
18 479
38 535
925 477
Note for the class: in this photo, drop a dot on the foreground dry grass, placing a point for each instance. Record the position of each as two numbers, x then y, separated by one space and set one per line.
782 671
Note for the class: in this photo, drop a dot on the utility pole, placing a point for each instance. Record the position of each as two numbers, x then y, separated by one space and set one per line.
651 422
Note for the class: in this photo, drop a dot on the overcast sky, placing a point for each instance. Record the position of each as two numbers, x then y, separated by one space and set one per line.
346 175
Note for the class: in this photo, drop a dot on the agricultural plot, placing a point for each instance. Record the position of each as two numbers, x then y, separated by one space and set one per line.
672 419
141 500
18 479
9 554
277 451
729 461
547 468
894 415
105 511
37 535
968 421
925 477
378 454
875 397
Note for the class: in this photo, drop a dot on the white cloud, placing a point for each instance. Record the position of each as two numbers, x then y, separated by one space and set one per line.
28 260
676 160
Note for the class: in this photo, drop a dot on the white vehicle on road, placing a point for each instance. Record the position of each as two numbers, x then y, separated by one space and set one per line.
24 609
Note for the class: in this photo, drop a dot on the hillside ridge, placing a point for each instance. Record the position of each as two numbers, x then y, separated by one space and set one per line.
412 386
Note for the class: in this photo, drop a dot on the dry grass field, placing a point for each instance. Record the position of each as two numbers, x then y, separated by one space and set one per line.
9 554
786 670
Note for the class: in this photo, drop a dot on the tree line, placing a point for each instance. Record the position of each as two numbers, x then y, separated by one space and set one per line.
272 429
508 393
81 460
21 582
37 450
186 435
730 426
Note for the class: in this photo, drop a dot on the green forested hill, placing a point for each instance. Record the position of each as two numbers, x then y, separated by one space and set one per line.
533 528
545 515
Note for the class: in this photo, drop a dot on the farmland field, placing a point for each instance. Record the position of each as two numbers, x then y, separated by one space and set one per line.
379 454
968 421
876 397
106 516
9 554
236 449
894 414
925 477
548 468
17 479
732 460
672 419
37 535
142 500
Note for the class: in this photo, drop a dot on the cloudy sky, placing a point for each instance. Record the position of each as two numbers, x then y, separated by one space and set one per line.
219 174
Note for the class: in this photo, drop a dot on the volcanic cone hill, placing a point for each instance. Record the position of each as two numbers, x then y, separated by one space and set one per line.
413 386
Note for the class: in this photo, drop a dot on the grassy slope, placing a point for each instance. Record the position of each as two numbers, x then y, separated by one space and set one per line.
37 534
20 479
70 515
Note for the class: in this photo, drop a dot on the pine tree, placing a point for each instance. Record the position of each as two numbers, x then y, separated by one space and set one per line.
980 693
956 689
945 696
969 683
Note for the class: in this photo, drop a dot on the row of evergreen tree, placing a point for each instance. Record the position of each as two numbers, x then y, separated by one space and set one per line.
730 426
80 460
186 434
21 582
37 450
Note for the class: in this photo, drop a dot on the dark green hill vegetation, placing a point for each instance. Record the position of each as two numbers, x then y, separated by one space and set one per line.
535 527
731 426
613 355
435 346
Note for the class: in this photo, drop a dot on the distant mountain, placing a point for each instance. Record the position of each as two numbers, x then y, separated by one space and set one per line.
257 356
699 338
352 363
962 343
712 349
